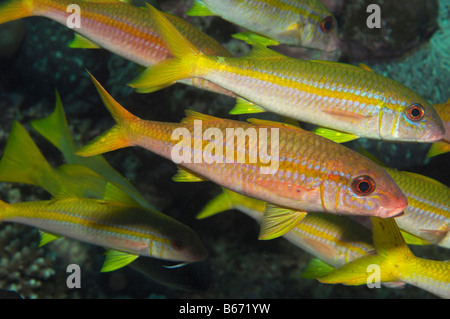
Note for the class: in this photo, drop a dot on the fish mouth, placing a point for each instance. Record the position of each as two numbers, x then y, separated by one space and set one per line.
384 212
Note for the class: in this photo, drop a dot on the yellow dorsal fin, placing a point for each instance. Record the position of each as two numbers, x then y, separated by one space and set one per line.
260 51
365 67
191 116
269 123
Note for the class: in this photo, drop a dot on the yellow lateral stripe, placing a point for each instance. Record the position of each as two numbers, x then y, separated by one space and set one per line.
85 222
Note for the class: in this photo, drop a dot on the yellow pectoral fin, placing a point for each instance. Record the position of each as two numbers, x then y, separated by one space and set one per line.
47 238
438 148
278 221
184 175
414 240
335 136
253 38
246 107
199 9
316 268
80 42
117 259
434 236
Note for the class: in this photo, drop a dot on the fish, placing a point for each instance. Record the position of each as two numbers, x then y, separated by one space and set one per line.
334 240
328 94
300 23
304 172
442 146
394 261
428 213
118 27
116 222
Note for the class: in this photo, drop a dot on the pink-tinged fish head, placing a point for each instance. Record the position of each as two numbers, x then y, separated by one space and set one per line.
410 118
375 194
364 188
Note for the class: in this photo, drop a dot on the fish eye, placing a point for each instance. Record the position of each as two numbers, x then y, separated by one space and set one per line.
327 24
177 244
415 112
363 185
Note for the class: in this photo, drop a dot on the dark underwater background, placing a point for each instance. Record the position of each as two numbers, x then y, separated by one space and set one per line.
412 47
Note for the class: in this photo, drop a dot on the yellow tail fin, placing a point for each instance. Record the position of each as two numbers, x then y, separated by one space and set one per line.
55 128
22 161
3 206
15 9
119 135
384 265
169 71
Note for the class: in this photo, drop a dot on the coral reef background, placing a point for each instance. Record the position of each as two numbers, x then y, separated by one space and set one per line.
411 47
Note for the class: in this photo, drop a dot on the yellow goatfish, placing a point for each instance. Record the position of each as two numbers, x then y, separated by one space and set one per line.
335 240
428 213
304 172
339 96
393 261
123 29
442 146
306 23
117 223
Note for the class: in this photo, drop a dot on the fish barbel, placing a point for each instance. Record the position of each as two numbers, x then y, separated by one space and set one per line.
293 22
329 94
121 28
309 172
